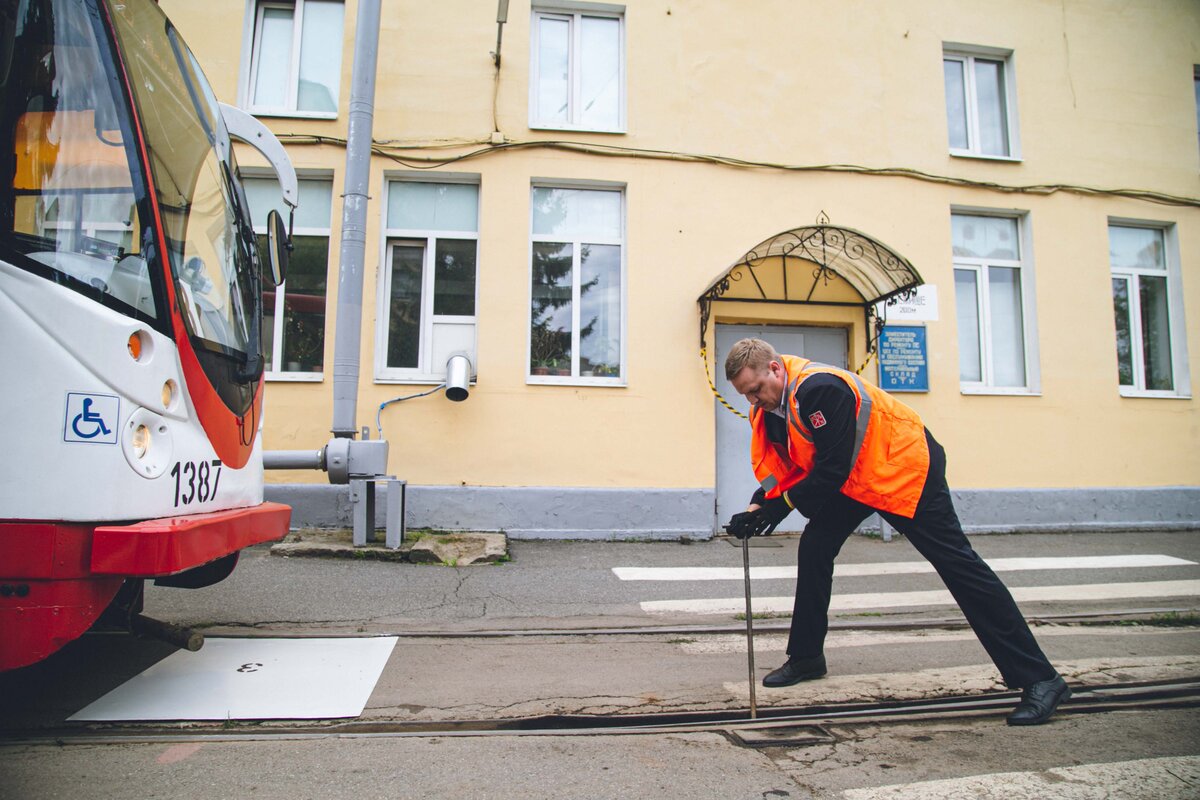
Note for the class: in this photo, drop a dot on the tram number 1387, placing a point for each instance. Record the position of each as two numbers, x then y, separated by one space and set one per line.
196 481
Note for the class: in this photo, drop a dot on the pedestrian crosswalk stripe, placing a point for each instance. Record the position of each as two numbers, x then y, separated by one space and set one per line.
1173 776
936 597
838 639
897 568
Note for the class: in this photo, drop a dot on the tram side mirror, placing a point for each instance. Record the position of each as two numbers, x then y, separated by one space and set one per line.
277 247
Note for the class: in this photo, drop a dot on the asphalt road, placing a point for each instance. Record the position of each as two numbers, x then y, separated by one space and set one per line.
440 672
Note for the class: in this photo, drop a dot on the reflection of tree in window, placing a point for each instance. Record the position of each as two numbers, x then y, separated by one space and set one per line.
550 336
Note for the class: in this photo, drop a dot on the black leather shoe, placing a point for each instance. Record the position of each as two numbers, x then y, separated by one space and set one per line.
796 670
1039 701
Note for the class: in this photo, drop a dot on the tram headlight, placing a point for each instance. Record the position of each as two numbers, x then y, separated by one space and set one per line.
147 443
140 441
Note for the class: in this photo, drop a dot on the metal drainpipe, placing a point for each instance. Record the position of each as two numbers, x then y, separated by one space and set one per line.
348 331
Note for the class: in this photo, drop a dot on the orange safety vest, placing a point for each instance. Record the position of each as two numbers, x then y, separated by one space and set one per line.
891 456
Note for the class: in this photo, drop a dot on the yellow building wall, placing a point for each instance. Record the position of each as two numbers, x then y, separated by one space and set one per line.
1104 100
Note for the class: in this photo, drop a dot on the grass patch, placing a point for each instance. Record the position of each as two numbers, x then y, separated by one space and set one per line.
764 615
1171 619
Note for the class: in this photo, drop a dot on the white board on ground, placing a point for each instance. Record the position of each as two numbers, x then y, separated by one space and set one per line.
251 679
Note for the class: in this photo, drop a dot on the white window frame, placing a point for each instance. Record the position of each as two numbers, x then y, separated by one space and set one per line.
573 12
967 54
575 378
252 36
1024 265
425 371
1176 322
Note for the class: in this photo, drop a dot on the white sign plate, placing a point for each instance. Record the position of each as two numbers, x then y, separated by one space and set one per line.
251 679
922 307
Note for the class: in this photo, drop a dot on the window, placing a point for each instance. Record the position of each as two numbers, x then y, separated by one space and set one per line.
578 71
990 292
294 341
296 58
1196 87
576 289
980 106
1149 326
428 291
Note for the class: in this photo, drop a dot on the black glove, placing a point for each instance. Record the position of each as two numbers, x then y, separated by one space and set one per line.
742 525
768 516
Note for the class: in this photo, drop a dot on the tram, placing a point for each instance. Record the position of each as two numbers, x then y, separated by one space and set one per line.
131 294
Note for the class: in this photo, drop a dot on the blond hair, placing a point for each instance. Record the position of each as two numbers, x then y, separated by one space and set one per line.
753 353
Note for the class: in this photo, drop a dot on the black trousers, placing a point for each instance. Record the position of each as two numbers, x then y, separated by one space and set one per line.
938 536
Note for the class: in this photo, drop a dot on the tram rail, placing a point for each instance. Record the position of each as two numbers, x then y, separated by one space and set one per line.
775 726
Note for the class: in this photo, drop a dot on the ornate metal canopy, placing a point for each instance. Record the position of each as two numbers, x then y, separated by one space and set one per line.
821 265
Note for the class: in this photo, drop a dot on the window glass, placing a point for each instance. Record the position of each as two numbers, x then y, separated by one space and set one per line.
299 345
320 56
414 205
1142 308
1124 331
454 277
600 72
966 297
404 309
550 334
70 201
316 197
553 78
600 309
978 104
989 87
274 51
1136 248
577 75
1008 326
985 237
1196 86
577 296
434 247
956 103
285 80
1156 332
577 212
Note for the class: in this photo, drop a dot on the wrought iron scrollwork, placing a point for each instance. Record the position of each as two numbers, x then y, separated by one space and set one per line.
874 270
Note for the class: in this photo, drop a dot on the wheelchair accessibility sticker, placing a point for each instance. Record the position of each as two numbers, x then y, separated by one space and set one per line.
91 418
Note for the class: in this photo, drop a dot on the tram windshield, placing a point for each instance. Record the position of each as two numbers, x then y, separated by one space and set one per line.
209 237
76 203
72 206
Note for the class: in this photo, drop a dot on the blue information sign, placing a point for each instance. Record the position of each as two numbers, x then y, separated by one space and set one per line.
903 359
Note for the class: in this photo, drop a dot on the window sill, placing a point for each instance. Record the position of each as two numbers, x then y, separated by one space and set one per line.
412 380
294 377
999 391
534 126
258 112
567 380
985 157
1153 395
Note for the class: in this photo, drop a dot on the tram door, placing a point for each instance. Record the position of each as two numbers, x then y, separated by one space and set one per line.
735 480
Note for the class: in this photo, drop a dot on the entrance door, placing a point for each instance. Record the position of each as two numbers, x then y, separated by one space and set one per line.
735 479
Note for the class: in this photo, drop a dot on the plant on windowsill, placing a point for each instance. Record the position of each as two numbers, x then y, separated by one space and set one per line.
546 351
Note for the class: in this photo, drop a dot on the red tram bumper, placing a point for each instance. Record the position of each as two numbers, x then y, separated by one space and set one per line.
56 578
